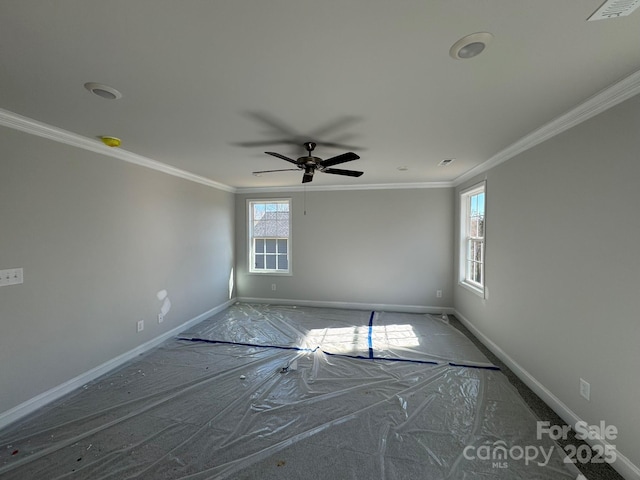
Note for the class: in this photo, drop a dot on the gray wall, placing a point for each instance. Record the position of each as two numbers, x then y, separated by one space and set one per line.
97 239
563 263
389 247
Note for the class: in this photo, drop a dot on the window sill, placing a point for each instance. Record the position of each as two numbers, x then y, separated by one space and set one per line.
272 273
472 288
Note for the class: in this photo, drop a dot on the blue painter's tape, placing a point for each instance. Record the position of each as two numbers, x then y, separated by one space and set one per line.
484 367
205 340
409 360
406 360
369 340
362 357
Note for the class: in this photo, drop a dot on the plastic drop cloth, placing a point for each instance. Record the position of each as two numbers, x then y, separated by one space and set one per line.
399 336
201 410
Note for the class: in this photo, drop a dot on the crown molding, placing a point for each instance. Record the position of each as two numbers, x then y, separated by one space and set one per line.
605 99
598 103
40 129
333 188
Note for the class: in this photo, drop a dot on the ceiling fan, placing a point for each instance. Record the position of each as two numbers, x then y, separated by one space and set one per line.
310 164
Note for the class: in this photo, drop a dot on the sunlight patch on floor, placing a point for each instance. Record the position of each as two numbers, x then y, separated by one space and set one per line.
350 339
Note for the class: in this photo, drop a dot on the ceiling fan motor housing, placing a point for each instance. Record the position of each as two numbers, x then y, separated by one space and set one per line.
310 161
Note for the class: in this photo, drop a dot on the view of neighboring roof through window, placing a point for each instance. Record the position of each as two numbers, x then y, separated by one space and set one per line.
269 236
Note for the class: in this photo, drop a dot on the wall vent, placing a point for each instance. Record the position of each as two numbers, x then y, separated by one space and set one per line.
614 9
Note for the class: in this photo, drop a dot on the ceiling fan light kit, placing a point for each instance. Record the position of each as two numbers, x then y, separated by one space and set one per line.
310 164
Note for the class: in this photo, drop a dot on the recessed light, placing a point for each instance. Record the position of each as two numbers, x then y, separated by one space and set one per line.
104 91
470 46
445 162
403 169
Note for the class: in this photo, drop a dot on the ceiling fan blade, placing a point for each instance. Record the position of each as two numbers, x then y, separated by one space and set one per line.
267 143
338 171
290 160
345 157
339 145
308 174
281 170
339 124
274 124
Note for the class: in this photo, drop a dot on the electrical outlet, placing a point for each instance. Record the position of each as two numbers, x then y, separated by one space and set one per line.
438 293
585 389
140 325
273 287
12 276
160 318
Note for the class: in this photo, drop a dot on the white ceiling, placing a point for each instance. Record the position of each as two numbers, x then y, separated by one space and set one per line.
199 78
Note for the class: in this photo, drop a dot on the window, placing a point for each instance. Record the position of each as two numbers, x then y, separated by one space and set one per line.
472 229
269 236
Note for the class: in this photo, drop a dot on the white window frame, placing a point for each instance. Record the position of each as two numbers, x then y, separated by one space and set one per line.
251 243
467 240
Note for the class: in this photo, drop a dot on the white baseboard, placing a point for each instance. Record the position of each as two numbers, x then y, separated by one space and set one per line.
54 393
349 305
622 464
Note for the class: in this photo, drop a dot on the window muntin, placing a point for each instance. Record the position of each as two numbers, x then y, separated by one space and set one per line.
472 258
269 236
